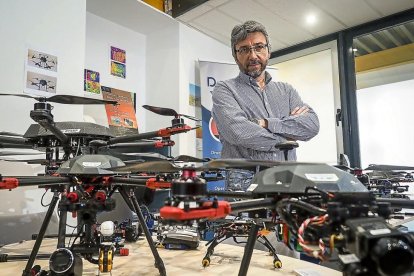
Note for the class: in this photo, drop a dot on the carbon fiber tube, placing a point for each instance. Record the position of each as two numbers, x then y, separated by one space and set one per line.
252 204
131 138
398 202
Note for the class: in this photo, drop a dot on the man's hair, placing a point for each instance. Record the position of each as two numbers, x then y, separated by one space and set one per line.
240 33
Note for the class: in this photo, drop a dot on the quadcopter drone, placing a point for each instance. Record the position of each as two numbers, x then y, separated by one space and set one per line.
83 181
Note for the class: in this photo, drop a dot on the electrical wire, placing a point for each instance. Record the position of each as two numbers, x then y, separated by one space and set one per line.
41 200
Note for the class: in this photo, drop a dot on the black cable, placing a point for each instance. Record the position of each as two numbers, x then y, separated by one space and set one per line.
287 202
41 200
77 236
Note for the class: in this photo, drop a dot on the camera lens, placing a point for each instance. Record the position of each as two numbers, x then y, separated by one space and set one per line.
392 256
61 261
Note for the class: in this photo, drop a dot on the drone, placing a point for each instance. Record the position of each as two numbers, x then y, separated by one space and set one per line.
83 181
319 209
322 207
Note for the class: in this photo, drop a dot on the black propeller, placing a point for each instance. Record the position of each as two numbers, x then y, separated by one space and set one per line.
387 168
64 99
168 112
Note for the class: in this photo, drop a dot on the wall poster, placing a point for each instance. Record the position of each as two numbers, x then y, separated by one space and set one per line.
121 117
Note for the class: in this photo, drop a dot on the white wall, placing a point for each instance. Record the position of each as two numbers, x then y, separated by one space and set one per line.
101 34
195 46
313 77
385 121
53 27
45 25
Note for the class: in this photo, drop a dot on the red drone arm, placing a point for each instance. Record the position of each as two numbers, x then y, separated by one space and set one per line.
153 184
161 144
7 183
167 132
206 211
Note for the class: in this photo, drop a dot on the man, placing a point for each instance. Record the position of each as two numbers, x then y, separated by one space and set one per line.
254 113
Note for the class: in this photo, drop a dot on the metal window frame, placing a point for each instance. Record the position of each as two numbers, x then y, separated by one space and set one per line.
347 77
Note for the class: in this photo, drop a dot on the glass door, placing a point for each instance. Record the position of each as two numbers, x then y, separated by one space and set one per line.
314 73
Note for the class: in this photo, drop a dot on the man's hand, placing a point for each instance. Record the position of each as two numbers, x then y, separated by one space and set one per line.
262 123
299 110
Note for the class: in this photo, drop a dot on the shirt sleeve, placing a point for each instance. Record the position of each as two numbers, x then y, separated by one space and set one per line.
301 127
234 126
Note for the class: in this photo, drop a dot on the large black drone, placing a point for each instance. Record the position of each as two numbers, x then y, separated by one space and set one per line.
83 181
319 208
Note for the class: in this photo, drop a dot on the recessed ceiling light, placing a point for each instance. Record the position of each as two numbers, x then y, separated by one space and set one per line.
355 49
311 19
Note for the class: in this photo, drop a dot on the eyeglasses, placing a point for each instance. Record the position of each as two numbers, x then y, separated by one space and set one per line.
258 49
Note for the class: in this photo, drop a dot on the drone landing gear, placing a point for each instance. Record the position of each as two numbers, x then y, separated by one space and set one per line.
130 197
28 270
253 238
219 239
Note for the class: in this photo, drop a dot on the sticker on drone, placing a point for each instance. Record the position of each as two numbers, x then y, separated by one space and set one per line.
42 60
322 177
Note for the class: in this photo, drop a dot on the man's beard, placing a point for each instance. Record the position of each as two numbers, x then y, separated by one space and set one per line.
254 73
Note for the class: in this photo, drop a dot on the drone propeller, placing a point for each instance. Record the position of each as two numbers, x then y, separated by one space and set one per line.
6 133
187 158
168 112
12 153
387 168
64 99
12 140
151 166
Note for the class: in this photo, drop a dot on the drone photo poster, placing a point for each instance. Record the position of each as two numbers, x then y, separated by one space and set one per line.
40 73
121 117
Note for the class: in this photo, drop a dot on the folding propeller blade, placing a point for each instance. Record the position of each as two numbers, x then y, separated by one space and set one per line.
151 166
64 99
187 158
168 112
13 140
70 99
161 110
6 133
373 167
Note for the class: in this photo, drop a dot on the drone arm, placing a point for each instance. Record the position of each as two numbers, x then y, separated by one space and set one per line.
151 183
397 202
154 144
215 209
130 138
8 183
57 132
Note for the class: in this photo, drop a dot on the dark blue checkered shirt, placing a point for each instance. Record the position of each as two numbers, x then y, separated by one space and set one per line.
239 102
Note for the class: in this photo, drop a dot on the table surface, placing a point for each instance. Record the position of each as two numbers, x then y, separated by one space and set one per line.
225 261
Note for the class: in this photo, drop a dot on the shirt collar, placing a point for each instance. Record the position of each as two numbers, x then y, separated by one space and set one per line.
249 80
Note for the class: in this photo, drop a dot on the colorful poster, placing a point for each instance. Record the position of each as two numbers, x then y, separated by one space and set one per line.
121 117
118 62
118 69
118 55
92 82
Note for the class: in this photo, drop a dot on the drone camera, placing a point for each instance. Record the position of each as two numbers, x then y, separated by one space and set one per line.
379 247
65 262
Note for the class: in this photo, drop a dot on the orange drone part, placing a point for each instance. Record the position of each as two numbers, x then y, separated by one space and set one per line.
167 132
206 211
7 183
153 184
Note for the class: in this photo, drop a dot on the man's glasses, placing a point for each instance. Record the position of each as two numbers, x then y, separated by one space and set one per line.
258 49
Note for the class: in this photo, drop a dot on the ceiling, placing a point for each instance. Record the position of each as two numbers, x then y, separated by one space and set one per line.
290 22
